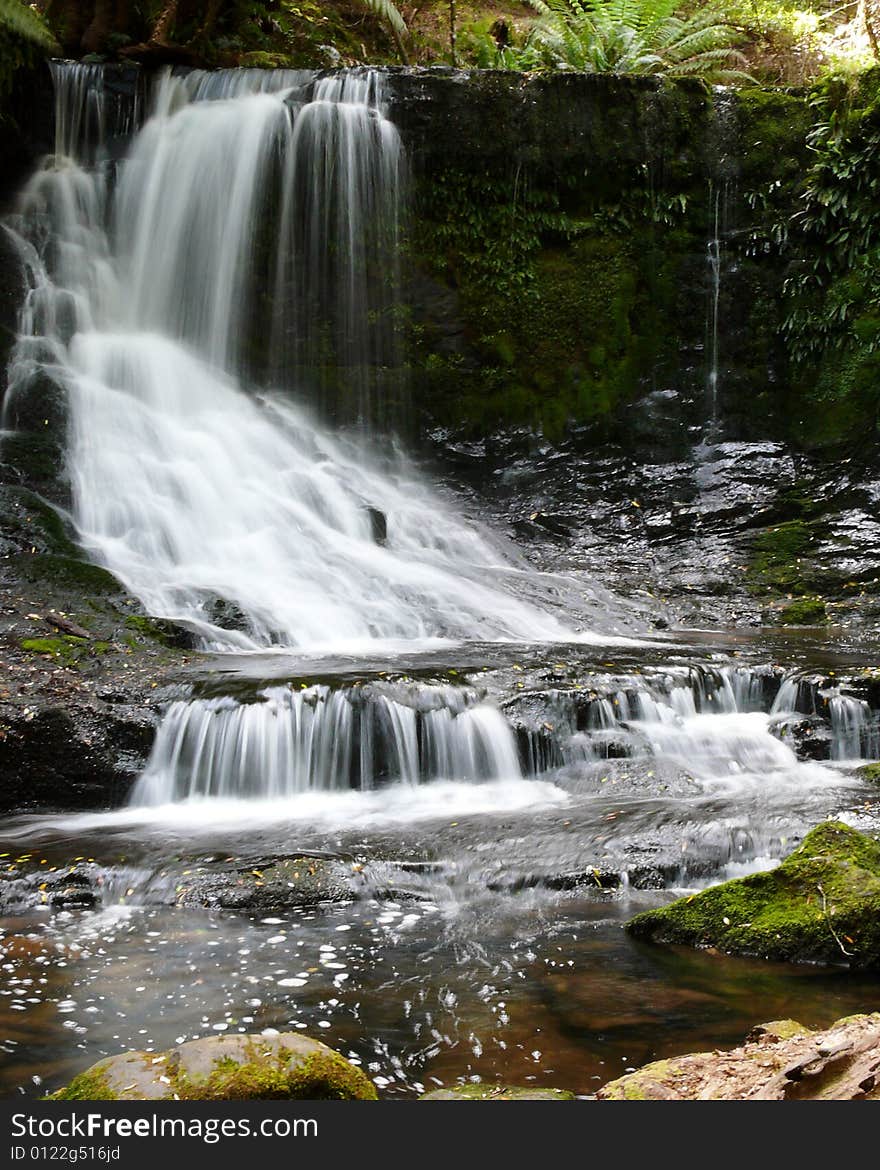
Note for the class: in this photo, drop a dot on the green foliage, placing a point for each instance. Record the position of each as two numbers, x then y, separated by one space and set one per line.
25 22
24 37
633 36
834 289
387 12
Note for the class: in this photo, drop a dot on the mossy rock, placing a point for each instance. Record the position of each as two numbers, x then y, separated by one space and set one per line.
806 611
497 1093
67 572
869 772
822 905
286 1067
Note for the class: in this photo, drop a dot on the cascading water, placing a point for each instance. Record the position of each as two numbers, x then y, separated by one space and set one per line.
321 740
196 495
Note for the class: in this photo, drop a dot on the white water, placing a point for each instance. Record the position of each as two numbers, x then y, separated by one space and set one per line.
188 489
318 740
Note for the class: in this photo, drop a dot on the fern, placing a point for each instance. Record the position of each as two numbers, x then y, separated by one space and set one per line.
21 20
387 11
633 36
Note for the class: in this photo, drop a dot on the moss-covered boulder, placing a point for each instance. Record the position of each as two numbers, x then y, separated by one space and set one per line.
822 905
225 1068
780 1061
497 1093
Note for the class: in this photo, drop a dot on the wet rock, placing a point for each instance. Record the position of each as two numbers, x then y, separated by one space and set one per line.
273 884
822 905
378 526
227 615
75 756
497 1093
780 1061
286 1066
69 887
808 736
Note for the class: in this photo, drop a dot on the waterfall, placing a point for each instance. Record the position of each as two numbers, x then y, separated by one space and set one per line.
316 739
148 291
713 255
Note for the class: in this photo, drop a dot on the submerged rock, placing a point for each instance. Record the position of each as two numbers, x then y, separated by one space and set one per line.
497 1093
287 1066
822 905
780 1061
279 882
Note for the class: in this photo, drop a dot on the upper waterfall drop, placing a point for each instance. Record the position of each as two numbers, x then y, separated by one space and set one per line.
145 293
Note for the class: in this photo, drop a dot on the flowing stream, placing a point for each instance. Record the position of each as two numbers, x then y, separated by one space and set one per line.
499 769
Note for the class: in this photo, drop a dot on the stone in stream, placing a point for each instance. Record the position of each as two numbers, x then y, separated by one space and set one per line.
281 882
497 1093
780 1061
822 905
809 736
286 1066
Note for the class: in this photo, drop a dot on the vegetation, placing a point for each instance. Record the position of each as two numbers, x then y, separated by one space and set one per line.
776 41
631 36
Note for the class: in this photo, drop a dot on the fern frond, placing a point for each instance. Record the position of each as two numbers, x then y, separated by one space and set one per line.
26 23
385 9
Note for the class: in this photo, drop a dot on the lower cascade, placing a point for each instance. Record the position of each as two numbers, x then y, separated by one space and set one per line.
724 727
321 740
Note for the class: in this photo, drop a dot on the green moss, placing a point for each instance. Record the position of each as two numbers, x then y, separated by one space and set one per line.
153 629
808 611
869 772
318 1077
67 571
634 1086
778 557
821 905
65 648
90 1085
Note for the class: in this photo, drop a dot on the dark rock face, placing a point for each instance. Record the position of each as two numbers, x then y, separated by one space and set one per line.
69 758
272 884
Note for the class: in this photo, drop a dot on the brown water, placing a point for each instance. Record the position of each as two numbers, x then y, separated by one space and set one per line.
534 988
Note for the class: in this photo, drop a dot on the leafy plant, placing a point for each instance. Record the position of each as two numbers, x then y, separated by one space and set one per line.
23 21
390 14
634 36
834 287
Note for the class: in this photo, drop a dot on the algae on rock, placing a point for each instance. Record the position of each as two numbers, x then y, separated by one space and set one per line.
821 905
286 1066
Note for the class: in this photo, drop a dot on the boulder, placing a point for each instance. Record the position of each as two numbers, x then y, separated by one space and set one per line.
286 1066
780 1061
821 905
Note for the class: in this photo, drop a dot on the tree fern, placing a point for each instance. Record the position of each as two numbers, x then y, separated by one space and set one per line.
24 22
